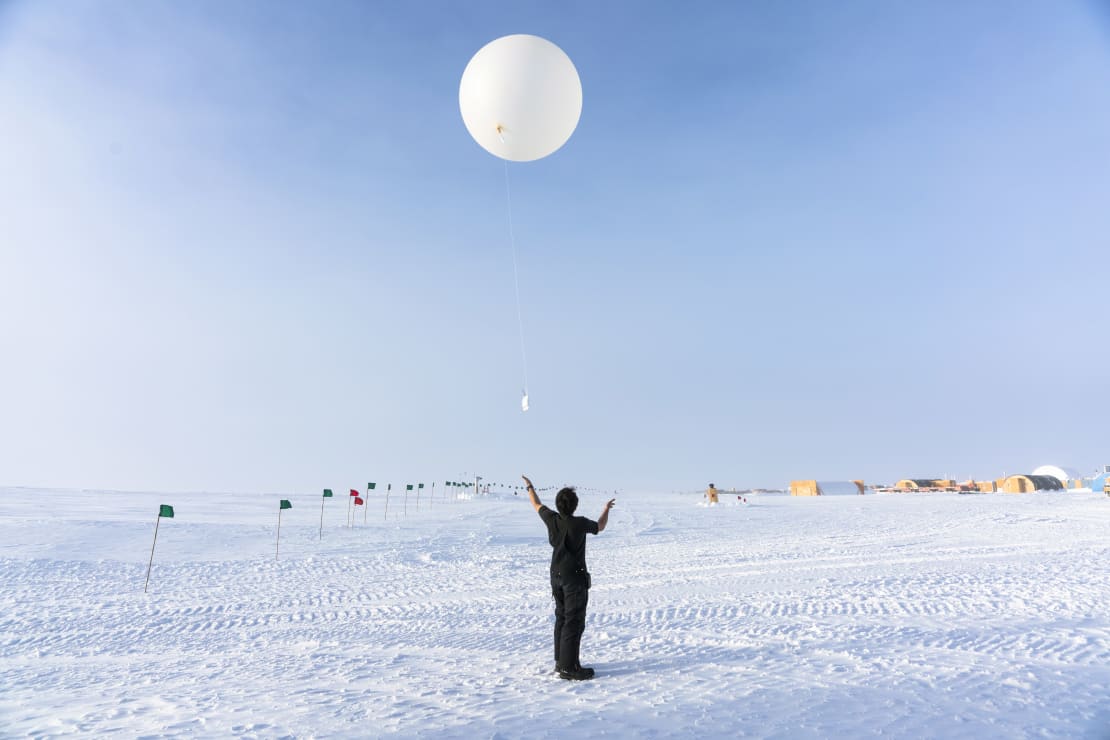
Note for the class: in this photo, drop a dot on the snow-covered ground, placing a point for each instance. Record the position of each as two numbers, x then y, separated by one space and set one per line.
916 615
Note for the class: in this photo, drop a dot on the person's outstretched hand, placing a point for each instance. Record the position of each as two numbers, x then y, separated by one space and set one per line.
612 502
527 482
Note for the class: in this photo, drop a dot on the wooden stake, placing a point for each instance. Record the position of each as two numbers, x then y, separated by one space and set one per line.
277 547
322 500
157 522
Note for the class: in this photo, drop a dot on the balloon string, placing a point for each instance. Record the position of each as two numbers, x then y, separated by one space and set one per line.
516 277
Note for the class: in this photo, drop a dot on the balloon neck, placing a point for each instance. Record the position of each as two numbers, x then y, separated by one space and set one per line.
501 133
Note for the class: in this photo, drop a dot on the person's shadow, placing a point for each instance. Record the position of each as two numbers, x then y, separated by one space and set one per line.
676 661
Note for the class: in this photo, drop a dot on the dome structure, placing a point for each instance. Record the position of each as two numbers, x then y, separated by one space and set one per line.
1061 474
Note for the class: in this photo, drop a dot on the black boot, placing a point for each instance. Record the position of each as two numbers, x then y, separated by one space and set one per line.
577 673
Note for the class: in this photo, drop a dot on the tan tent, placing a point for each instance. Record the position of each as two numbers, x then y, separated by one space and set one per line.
827 488
803 488
1030 483
915 484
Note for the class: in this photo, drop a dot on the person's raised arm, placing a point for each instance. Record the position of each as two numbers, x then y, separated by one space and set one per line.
604 518
536 503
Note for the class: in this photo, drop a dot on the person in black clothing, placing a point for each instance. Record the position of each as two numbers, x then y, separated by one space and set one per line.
570 581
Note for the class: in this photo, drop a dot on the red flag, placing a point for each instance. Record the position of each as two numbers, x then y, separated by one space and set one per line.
354 492
358 501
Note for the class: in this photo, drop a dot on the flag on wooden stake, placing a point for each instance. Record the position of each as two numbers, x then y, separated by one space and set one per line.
327 494
359 501
164 511
350 521
283 504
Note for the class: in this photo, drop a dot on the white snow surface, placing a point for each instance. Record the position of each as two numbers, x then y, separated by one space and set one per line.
903 615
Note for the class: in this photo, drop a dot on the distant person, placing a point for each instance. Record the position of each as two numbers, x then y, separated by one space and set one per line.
570 580
711 494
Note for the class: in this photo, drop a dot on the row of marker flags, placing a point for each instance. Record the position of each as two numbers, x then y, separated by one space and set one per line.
165 511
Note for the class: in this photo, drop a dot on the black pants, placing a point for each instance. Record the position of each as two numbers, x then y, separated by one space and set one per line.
570 620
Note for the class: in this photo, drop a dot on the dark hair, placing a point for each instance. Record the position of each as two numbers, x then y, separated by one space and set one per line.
566 501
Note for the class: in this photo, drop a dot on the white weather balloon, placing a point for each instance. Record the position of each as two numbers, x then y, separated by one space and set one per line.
520 97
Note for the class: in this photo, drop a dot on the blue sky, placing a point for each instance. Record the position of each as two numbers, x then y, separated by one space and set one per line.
250 245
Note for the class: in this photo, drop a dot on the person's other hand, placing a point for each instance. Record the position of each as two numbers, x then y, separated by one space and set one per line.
527 482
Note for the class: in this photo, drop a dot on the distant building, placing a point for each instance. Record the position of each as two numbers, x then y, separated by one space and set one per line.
827 488
1030 483
1098 483
917 484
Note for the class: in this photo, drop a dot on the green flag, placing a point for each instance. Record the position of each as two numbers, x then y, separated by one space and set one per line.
408 487
166 511
327 493
371 486
285 504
